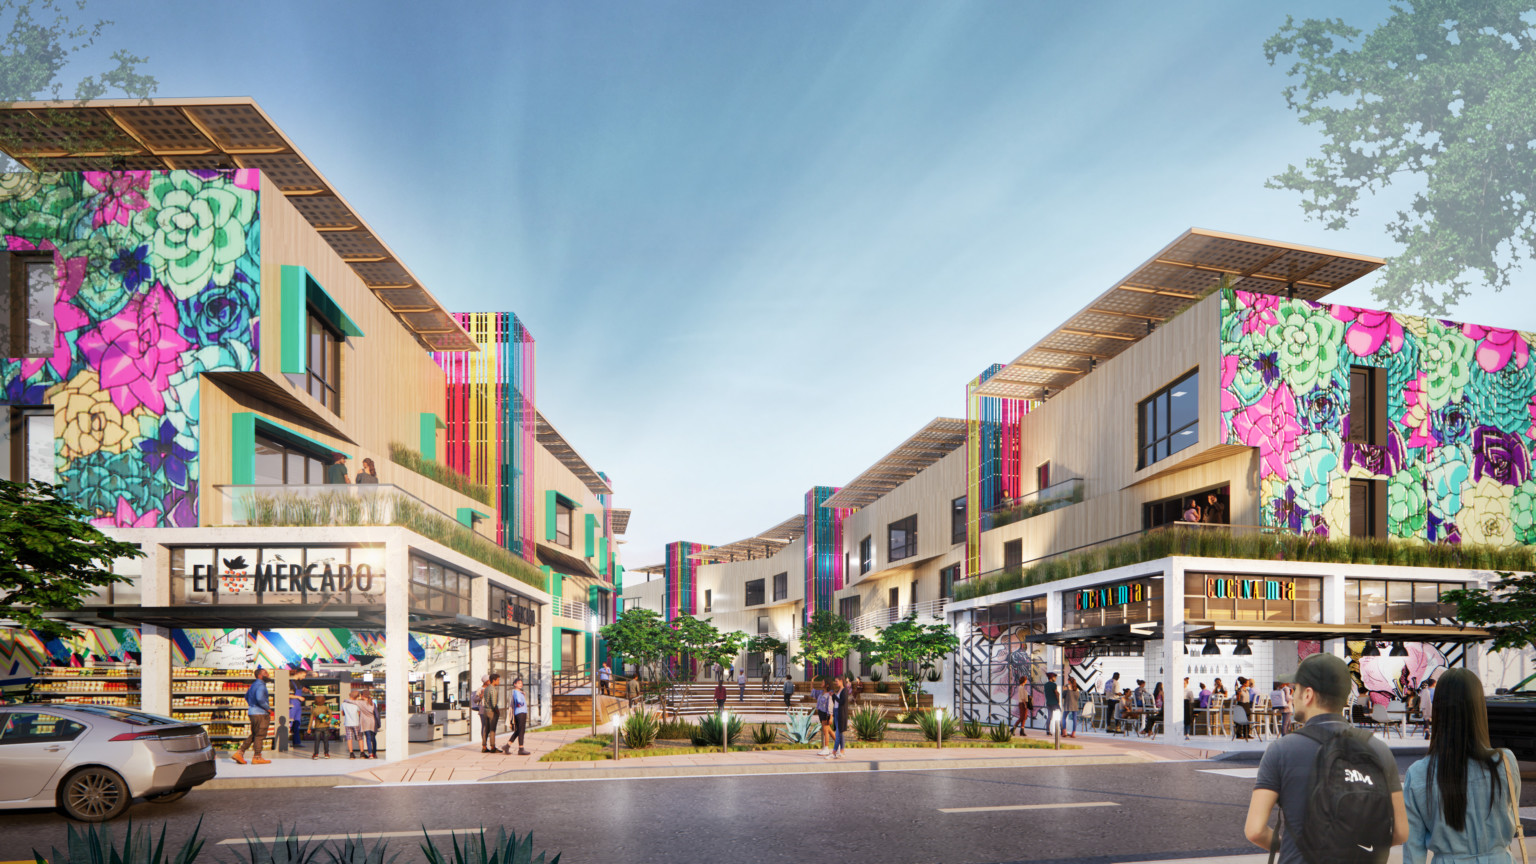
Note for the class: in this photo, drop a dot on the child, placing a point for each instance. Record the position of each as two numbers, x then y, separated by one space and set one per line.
321 722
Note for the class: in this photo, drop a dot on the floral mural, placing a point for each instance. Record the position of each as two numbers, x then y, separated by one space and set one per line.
159 281
1461 404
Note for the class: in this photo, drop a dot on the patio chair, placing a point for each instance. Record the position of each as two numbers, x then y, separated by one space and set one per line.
1381 716
1239 718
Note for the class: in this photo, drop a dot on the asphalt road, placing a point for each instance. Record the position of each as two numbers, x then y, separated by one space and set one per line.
1139 813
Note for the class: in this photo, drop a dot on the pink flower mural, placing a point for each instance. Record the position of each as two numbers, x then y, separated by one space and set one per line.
1368 330
138 350
1270 424
122 195
1497 346
125 517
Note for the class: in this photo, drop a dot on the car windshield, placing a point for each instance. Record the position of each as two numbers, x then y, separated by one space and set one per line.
123 715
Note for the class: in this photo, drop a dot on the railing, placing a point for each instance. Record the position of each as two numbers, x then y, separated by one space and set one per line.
572 610
568 680
1052 497
319 504
928 609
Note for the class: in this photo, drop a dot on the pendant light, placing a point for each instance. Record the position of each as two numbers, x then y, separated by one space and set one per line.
1370 649
1211 649
1399 650
1242 649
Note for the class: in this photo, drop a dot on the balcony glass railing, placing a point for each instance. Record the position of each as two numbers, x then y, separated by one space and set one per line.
329 504
1052 497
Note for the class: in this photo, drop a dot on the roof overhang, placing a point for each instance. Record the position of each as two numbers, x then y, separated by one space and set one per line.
277 617
551 439
1181 275
1113 636
159 134
933 442
619 520
764 545
1319 632
564 562
649 569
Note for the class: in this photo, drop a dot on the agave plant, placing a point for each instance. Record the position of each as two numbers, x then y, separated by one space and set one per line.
358 849
286 847
869 723
1000 733
972 728
800 727
762 733
640 730
93 844
929 723
712 727
507 848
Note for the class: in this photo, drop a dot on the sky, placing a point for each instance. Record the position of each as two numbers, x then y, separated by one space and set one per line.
760 244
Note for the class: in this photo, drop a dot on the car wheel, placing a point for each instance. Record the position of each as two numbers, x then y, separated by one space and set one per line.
168 797
93 795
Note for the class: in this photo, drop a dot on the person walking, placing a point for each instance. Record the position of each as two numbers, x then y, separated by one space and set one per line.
369 724
336 472
296 699
352 724
741 684
1427 703
839 699
1280 703
1366 801
789 691
720 695
1463 798
519 729
369 474
1072 699
823 714
1026 699
490 711
1191 700
605 678
1052 703
259 714
321 721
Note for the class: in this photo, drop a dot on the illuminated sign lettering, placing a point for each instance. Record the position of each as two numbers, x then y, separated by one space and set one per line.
1111 595
1249 589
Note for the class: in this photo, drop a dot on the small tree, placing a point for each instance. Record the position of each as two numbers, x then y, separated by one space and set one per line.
768 646
1507 609
642 636
826 637
907 644
50 556
704 642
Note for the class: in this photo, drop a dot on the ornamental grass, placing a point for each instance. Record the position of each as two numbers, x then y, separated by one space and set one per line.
439 473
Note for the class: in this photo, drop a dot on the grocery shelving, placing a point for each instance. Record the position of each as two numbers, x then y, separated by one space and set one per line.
114 686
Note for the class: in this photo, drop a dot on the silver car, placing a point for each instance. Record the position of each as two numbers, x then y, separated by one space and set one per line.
91 761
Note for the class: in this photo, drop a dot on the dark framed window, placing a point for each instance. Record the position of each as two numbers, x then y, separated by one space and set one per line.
780 586
893 600
280 464
1367 405
515 656
902 535
28 305
957 520
866 554
436 587
29 432
563 517
323 378
1042 475
1211 512
755 592
1169 420
947 579
848 608
1368 508
1013 553
913 595
762 625
709 600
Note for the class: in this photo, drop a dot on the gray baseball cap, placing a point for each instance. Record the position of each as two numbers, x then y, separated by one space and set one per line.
1324 673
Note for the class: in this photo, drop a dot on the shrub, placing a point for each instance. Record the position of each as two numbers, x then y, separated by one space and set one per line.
875 675
929 723
94 843
869 723
681 730
800 727
882 687
506 848
640 730
1000 733
762 733
439 473
972 728
934 675
711 728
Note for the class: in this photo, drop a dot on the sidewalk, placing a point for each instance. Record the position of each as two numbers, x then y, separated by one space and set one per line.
1263 857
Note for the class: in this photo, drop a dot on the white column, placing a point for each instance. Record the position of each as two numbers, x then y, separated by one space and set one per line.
1333 613
546 665
155 642
397 647
1173 661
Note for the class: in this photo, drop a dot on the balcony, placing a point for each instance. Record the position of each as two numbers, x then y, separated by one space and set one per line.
928 610
1256 542
1052 497
571 610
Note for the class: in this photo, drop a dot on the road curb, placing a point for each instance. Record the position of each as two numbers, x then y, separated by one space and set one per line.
592 772
279 782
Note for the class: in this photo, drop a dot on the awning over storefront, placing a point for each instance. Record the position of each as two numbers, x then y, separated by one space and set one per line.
262 617
1113 636
564 562
1318 632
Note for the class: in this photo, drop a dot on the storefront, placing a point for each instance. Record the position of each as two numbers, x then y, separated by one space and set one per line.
1248 619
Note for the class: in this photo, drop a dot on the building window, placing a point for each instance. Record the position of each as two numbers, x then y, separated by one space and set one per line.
1367 405
780 587
279 464
903 538
709 600
848 608
1169 420
913 595
1212 506
866 554
762 625
29 440
514 656
947 579
1042 475
893 600
1368 508
28 319
755 594
324 375
437 588
957 520
1013 554
563 516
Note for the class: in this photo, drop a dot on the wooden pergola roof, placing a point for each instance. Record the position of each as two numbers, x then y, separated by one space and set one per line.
562 450
620 520
762 545
933 442
650 569
1180 275
159 134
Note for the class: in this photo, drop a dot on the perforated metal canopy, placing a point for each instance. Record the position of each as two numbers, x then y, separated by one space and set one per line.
933 442
562 450
762 545
1183 273
620 521
138 135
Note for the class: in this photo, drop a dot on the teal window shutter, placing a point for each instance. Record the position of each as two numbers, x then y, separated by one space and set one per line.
242 448
469 515
551 581
429 426
300 291
591 533
592 599
602 556
550 496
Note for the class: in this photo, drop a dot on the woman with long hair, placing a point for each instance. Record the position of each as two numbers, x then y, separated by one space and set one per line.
1460 798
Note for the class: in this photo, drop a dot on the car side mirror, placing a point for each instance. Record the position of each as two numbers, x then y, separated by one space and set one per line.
1502 691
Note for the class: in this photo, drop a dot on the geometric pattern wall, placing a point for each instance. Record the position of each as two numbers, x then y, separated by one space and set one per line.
823 550
1461 412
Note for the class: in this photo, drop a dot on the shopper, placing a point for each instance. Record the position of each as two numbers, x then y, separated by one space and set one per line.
1191 701
823 714
765 669
336 472
259 713
1155 715
1112 686
1052 703
605 678
321 721
369 474
741 684
720 695
297 695
352 723
1026 699
789 691
519 719
839 699
1072 696
1366 809
1280 703
369 724
1427 703
1463 798
490 711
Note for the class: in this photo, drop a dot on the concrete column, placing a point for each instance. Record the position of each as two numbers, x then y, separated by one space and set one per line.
397 648
155 642
546 666
1333 613
1174 661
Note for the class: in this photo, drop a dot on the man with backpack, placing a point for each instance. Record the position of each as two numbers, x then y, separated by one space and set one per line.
1341 801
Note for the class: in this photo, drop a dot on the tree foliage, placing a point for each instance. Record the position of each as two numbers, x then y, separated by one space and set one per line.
768 646
704 642
826 637
905 645
642 636
1507 609
1442 94
51 558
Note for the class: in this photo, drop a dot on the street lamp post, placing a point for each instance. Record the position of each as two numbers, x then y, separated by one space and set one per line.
725 732
592 664
938 713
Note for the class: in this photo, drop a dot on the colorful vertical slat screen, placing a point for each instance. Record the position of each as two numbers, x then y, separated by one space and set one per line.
823 550
992 454
491 419
682 585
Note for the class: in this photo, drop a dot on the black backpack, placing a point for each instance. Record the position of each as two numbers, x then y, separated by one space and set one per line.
1349 816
